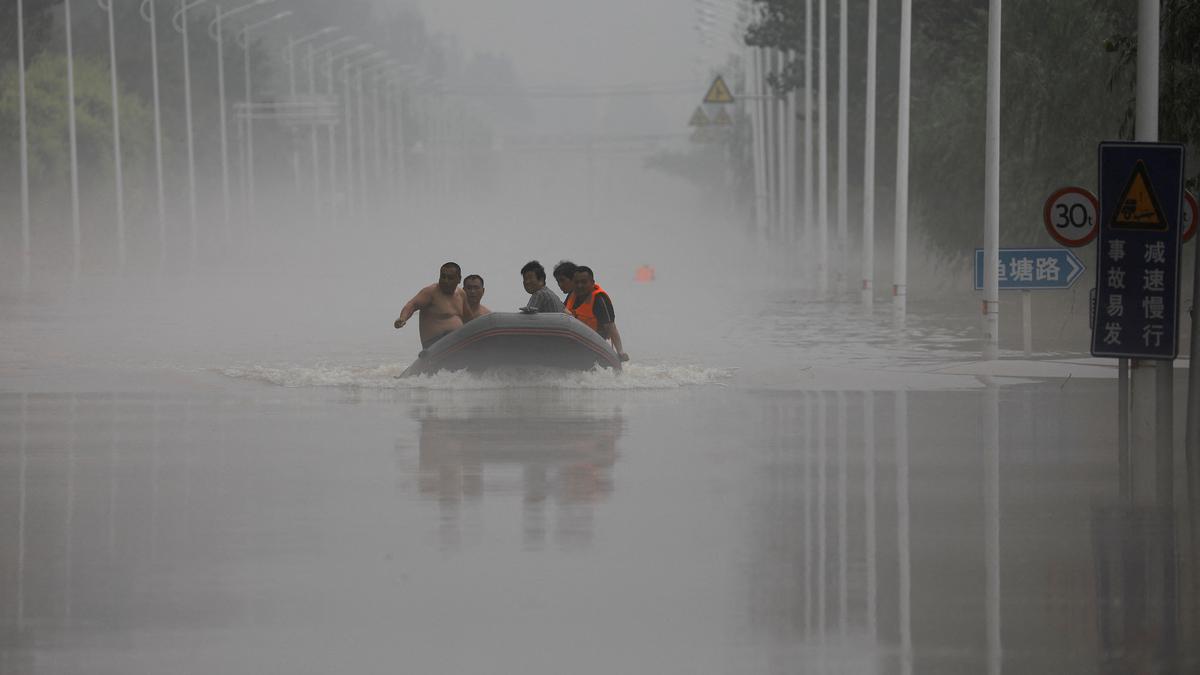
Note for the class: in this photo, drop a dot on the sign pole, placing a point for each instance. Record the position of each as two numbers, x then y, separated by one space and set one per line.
991 218
1027 322
868 236
823 149
900 248
1144 403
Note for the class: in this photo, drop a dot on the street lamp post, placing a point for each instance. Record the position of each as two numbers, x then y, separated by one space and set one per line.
148 13
244 39
216 33
351 186
76 231
328 49
179 21
119 180
24 145
290 57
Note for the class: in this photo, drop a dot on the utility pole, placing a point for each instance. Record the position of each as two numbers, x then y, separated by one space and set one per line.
991 216
76 230
107 5
900 249
823 151
25 248
868 243
808 124
843 245
148 13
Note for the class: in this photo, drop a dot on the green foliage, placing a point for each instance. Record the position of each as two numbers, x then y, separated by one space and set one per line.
1179 81
1061 95
49 149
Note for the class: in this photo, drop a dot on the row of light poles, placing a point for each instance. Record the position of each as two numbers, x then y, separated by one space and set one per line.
359 65
775 173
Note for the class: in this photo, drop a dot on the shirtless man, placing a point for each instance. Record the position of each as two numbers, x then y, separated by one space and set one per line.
473 288
442 306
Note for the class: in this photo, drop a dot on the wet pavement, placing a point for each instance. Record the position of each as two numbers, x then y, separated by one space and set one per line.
242 527
794 487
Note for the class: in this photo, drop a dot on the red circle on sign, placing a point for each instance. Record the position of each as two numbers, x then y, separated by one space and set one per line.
1048 216
1189 203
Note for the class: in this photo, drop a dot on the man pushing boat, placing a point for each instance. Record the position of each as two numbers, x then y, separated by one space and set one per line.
442 306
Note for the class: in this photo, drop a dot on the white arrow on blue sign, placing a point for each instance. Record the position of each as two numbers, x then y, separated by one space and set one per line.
1032 269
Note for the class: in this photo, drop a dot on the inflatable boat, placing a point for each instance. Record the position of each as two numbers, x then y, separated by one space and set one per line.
517 340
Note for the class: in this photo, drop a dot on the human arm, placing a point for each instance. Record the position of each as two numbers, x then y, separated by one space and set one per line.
606 320
609 331
419 301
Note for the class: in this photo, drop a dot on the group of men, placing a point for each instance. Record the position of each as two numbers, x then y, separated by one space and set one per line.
444 307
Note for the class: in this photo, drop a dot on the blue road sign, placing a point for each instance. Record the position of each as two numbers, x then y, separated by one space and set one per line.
1033 269
1137 258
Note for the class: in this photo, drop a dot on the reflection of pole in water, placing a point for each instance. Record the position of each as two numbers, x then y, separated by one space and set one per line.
808 513
902 536
991 526
24 445
70 508
821 516
842 517
869 493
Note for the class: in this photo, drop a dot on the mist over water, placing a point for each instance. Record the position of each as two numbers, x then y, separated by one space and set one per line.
209 462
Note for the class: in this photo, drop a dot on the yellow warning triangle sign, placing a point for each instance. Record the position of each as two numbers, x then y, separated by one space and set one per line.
722 119
718 92
699 119
1138 208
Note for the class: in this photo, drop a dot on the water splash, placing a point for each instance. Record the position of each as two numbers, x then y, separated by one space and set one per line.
386 376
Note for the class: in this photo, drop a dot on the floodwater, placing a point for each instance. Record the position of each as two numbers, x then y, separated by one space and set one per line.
789 487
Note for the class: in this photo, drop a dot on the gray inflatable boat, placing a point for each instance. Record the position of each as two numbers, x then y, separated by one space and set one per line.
517 340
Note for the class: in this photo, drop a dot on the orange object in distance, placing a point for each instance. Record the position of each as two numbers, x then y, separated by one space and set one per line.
644 274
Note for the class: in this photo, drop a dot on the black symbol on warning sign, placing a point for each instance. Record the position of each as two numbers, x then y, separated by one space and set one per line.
1138 208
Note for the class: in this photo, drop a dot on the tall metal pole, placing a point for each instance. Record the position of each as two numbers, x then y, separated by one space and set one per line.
790 223
823 151
119 180
1151 412
843 244
362 145
226 198
347 124
76 230
329 90
900 249
291 59
312 138
149 14
754 83
781 150
809 178
25 247
181 24
249 177
991 216
868 236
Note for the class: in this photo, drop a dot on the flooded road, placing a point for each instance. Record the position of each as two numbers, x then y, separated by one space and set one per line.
785 510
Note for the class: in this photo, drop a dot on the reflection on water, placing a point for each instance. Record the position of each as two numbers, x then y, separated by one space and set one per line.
947 555
558 458
816 532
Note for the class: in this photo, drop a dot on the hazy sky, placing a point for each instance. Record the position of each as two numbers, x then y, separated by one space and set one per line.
589 42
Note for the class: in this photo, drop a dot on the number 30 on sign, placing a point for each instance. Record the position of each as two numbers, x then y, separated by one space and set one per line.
1070 216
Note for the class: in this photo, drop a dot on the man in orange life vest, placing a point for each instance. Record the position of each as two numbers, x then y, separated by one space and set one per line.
590 304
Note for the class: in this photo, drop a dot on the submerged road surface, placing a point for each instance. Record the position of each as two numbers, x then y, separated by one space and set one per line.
829 503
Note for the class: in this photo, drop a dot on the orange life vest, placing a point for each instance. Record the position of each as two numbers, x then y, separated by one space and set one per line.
586 312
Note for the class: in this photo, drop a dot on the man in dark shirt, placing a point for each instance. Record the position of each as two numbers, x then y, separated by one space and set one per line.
591 305
541 298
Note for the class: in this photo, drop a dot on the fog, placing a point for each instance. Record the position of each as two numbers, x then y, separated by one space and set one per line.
210 463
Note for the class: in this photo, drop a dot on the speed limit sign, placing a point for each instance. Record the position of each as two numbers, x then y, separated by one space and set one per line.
1191 211
1070 216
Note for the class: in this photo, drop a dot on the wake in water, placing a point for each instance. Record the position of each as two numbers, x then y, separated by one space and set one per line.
386 376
